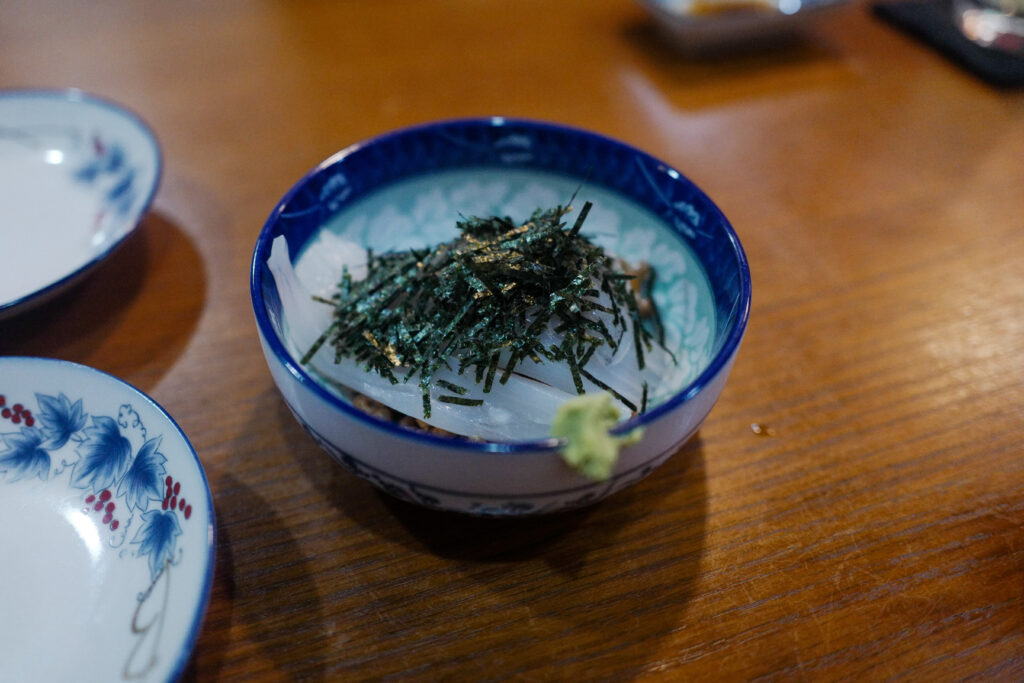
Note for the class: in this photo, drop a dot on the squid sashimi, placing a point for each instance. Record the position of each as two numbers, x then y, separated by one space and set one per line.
486 336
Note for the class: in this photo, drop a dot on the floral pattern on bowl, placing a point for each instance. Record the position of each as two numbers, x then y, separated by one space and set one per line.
80 449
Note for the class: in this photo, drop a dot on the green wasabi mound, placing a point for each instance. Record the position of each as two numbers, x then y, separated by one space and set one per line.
584 423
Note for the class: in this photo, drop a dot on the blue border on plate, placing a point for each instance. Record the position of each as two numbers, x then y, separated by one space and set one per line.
80 96
185 655
497 141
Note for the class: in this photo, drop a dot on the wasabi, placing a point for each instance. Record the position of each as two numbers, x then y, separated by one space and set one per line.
584 422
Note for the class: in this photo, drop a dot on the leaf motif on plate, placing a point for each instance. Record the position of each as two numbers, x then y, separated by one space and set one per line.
24 456
104 455
59 418
157 538
141 483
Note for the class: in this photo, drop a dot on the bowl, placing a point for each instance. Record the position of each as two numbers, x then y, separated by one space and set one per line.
406 189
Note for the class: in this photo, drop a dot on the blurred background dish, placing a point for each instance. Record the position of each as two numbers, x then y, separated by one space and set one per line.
995 24
705 27
76 175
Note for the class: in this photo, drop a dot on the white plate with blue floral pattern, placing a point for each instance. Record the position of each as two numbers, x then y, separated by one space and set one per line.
106 529
77 173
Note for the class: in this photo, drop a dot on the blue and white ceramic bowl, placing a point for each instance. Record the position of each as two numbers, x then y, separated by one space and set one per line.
106 529
77 173
407 188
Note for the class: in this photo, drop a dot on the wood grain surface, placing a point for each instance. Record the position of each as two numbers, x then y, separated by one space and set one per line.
872 530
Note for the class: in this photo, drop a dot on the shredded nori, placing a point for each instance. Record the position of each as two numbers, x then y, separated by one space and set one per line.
483 300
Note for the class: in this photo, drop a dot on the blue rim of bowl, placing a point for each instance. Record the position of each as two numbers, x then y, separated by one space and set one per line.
261 253
75 95
188 646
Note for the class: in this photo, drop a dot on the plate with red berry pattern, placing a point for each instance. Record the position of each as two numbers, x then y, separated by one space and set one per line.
77 173
106 529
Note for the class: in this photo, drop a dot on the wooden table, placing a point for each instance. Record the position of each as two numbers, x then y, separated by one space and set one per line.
872 530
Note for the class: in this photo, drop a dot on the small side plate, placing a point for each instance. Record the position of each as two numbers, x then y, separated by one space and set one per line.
76 175
106 529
